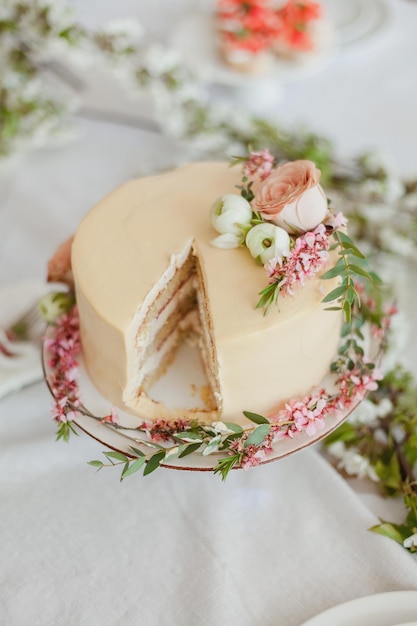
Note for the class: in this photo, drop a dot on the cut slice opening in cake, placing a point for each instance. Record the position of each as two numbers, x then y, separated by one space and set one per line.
174 321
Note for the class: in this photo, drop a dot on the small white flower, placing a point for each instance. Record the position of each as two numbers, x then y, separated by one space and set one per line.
377 213
267 241
337 449
384 407
396 243
159 60
128 28
411 541
409 202
230 214
354 464
365 413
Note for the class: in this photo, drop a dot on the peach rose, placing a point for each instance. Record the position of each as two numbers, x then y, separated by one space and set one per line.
292 198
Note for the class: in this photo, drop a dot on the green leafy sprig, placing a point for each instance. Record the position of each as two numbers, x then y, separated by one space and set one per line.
351 267
269 296
196 438
389 444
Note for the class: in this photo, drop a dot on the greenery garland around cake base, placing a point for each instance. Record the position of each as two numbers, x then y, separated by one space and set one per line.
162 440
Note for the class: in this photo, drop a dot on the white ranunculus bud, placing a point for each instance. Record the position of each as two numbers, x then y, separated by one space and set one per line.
229 214
267 241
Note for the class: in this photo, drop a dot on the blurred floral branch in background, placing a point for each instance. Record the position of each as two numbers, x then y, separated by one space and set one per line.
40 39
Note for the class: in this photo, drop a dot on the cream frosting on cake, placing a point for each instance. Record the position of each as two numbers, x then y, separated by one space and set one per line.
146 275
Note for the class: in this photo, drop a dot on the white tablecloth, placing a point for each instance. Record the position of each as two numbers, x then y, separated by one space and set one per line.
272 546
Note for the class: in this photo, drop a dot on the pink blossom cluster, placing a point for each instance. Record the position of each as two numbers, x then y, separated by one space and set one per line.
306 258
163 430
308 415
336 220
63 345
302 415
259 165
354 384
251 455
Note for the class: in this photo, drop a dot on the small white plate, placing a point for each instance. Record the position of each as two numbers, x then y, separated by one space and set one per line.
357 21
395 608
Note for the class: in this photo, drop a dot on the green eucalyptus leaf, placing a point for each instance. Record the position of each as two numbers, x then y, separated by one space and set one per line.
347 310
154 462
189 436
351 250
233 427
116 455
137 452
255 417
375 278
357 269
337 270
98 464
132 467
258 435
335 294
192 447
389 530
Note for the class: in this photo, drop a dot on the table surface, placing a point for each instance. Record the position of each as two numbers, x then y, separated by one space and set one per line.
272 546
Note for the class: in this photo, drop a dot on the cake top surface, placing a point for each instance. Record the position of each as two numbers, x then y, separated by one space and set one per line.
126 243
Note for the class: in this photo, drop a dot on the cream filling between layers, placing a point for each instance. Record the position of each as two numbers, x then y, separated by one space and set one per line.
133 355
159 333
145 339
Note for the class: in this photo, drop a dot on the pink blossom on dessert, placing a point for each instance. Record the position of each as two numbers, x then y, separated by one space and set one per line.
249 25
59 266
306 258
291 197
296 17
259 165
